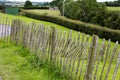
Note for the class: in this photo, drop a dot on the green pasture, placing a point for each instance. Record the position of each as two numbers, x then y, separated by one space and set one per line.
47 12
113 8
29 20
47 24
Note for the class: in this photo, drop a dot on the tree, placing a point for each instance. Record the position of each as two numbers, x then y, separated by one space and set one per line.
71 8
53 3
114 3
57 3
83 9
119 1
2 7
46 4
28 3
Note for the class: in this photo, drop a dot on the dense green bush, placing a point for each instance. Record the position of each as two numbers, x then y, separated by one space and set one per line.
1 7
92 12
114 3
83 8
108 19
102 32
28 3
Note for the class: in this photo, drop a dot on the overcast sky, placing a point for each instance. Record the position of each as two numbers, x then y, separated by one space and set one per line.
51 0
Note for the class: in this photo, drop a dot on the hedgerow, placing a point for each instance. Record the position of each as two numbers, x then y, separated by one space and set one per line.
87 28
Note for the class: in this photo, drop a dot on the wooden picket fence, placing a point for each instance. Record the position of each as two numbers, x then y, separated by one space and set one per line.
78 56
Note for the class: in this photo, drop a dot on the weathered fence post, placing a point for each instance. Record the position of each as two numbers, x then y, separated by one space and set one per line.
52 45
111 60
116 68
91 58
13 31
105 60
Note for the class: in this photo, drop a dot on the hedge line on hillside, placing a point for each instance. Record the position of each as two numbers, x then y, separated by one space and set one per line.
92 12
102 32
34 7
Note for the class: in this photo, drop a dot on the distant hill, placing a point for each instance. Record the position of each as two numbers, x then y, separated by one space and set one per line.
34 3
1 2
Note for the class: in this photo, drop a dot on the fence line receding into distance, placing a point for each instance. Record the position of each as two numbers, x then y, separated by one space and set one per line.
78 56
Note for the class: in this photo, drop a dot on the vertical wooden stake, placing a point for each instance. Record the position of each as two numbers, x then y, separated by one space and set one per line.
91 58
52 45
116 68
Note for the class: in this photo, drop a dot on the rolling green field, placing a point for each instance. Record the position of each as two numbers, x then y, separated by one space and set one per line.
28 20
57 12
113 8
59 27
47 12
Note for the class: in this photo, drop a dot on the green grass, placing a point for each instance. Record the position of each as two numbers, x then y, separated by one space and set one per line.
113 8
59 27
47 12
100 40
28 20
99 70
14 66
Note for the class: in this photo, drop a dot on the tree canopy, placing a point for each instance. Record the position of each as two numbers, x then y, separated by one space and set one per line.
81 9
28 3
114 3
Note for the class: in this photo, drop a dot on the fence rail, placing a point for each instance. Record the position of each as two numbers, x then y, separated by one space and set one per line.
77 55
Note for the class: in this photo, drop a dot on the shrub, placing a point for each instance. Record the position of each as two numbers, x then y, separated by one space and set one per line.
92 12
34 7
1 7
102 32
28 3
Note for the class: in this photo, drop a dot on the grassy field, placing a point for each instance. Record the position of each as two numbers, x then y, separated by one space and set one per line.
47 12
113 8
14 65
28 20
